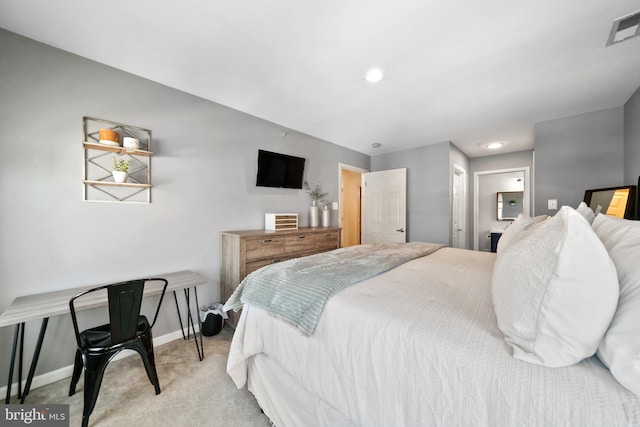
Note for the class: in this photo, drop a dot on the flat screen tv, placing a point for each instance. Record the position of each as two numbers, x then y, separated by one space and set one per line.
279 170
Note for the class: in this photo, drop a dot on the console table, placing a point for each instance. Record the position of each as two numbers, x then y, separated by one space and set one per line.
47 304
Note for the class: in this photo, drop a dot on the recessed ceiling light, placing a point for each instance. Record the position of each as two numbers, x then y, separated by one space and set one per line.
494 145
376 145
374 75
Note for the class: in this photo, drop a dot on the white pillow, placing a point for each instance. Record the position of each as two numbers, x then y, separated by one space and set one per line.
555 291
586 212
522 222
620 348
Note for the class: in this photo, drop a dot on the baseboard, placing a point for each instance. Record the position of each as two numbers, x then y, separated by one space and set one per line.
66 371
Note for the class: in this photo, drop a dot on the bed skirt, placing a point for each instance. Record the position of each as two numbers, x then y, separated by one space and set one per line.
284 400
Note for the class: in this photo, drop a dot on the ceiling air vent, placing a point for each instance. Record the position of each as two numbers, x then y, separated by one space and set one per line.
624 28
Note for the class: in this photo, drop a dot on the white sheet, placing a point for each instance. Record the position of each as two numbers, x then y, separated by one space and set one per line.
419 346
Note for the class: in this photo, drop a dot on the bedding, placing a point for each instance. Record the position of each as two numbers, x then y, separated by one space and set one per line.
283 288
523 222
586 212
546 284
620 348
417 345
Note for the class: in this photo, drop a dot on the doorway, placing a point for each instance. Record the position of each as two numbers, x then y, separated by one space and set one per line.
350 208
486 184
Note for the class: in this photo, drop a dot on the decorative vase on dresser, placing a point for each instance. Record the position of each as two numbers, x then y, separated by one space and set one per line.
326 216
314 214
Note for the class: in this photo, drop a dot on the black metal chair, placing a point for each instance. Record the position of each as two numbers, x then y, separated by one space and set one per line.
127 329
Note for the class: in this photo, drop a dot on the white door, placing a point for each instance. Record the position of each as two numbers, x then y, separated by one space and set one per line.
458 211
384 206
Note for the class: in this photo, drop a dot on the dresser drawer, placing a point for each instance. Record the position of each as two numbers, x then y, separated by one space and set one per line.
298 243
264 248
326 241
255 265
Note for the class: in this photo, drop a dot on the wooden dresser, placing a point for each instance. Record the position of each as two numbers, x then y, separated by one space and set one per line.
248 250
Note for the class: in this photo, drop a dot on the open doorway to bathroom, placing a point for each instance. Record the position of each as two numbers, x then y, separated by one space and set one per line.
487 185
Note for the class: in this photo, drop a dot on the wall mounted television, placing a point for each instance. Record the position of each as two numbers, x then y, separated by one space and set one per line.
279 170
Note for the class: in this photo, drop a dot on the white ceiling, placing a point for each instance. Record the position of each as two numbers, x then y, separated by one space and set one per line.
465 71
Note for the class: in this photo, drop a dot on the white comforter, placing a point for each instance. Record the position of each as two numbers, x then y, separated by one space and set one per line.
419 346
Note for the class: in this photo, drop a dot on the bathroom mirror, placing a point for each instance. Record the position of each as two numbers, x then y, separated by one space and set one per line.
510 205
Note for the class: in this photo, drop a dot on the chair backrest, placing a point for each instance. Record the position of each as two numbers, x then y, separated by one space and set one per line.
124 301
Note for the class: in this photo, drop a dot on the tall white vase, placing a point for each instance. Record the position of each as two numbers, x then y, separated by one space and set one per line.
314 214
326 217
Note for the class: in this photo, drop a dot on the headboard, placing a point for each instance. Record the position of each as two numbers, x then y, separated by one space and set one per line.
620 201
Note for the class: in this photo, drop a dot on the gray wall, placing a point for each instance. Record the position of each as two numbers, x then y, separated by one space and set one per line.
428 198
632 139
578 153
204 168
503 161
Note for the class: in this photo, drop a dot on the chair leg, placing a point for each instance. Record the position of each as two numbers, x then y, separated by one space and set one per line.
93 374
145 349
77 370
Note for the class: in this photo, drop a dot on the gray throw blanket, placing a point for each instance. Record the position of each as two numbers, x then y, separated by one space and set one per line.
297 289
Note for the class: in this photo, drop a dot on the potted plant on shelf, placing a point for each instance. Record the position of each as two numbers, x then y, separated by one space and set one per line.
120 169
317 196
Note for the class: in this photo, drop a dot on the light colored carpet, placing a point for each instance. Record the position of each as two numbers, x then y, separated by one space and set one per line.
194 393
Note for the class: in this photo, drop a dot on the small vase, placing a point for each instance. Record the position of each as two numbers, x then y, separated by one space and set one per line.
120 176
314 215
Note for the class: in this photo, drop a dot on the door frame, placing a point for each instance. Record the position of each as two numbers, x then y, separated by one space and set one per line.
457 169
526 204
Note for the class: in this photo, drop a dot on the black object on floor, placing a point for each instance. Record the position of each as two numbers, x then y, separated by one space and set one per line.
212 325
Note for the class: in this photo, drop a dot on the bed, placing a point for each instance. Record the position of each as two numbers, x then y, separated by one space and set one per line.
416 345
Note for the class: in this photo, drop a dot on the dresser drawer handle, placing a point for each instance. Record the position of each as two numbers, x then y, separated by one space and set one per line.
327 235
300 237
266 241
